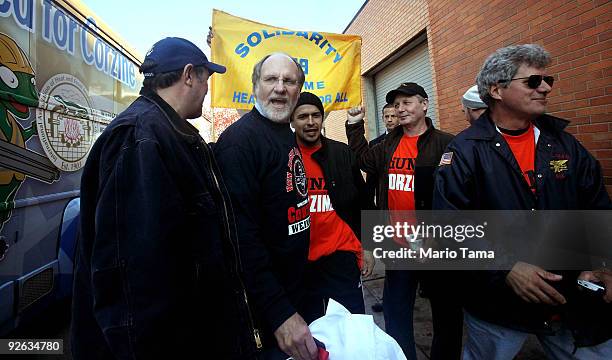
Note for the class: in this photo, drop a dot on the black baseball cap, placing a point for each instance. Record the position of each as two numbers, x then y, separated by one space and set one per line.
408 89
172 54
307 98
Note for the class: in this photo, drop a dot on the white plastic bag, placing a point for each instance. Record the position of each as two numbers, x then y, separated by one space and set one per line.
353 336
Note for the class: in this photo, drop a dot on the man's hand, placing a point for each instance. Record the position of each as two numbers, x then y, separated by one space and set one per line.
294 338
603 276
355 114
529 282
368 263
209 37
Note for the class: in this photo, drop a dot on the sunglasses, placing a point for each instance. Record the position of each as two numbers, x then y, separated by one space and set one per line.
534 81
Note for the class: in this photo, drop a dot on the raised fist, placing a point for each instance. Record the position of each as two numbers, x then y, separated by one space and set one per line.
355 114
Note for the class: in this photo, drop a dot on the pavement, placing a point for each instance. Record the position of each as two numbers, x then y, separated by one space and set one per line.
54 324
423 330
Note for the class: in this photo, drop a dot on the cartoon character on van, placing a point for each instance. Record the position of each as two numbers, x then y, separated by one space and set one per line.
17 94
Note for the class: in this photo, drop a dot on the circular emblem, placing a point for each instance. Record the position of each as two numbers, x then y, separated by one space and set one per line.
299 176
65 123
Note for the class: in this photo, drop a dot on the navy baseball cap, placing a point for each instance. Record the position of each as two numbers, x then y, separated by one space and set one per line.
408 89
172 54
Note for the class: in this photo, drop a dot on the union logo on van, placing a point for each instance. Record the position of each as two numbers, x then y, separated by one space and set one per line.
66 124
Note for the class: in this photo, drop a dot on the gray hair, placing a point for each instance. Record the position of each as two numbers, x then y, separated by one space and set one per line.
502 65
257 69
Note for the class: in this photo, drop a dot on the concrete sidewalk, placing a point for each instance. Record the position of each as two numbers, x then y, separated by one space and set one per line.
373 290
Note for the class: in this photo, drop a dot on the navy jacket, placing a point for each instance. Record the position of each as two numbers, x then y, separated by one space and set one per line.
484 175
266 178
157 271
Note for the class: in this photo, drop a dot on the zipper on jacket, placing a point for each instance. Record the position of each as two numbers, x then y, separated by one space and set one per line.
256 336
255 330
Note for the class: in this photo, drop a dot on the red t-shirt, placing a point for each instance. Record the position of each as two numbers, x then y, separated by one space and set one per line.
523 148
401 174
328 232
401 184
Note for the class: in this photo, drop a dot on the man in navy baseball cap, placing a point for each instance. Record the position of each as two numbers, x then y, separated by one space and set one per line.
153 163
172 54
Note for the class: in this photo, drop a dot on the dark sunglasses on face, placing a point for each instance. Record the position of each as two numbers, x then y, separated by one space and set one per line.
534 81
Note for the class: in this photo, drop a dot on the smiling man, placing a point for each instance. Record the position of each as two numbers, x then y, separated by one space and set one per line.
263 168
405 162
336 191
505 161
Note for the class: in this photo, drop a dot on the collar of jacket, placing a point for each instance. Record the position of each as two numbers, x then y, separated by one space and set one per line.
321 154
187 131
394 137
484 128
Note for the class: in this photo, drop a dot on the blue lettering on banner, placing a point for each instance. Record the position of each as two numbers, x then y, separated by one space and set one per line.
326 99
304 64
255 38
243 98
311 85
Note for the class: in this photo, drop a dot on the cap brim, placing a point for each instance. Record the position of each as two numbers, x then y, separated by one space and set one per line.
393 93
215 68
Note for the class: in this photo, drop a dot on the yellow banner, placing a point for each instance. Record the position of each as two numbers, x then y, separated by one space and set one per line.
331 62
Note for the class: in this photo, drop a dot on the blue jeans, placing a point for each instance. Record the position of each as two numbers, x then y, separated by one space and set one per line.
494 342
399 294
398 304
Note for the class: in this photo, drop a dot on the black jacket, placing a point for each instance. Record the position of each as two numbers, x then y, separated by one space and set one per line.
371 180
485 175
375 160
343 181
265 176
157 270
377 140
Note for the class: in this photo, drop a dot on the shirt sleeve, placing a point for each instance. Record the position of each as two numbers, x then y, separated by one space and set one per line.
367 158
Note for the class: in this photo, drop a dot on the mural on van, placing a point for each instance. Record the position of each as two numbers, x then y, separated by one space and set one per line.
18 89
17 94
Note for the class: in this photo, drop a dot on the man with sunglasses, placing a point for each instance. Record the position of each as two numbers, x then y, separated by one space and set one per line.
506 161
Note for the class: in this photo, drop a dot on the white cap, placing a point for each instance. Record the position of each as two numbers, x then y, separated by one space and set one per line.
471 99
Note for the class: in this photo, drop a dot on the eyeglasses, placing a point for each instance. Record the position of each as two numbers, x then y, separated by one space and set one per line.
534 81
273 80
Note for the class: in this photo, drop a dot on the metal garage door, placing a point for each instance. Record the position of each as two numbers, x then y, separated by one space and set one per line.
412 67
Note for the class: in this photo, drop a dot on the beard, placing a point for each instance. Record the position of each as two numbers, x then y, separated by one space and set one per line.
281 116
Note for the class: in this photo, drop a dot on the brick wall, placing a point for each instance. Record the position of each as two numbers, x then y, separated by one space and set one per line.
578 36
461 34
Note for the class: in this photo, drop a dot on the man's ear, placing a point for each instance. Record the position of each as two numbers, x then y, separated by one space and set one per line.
188 74
426 105
495 91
